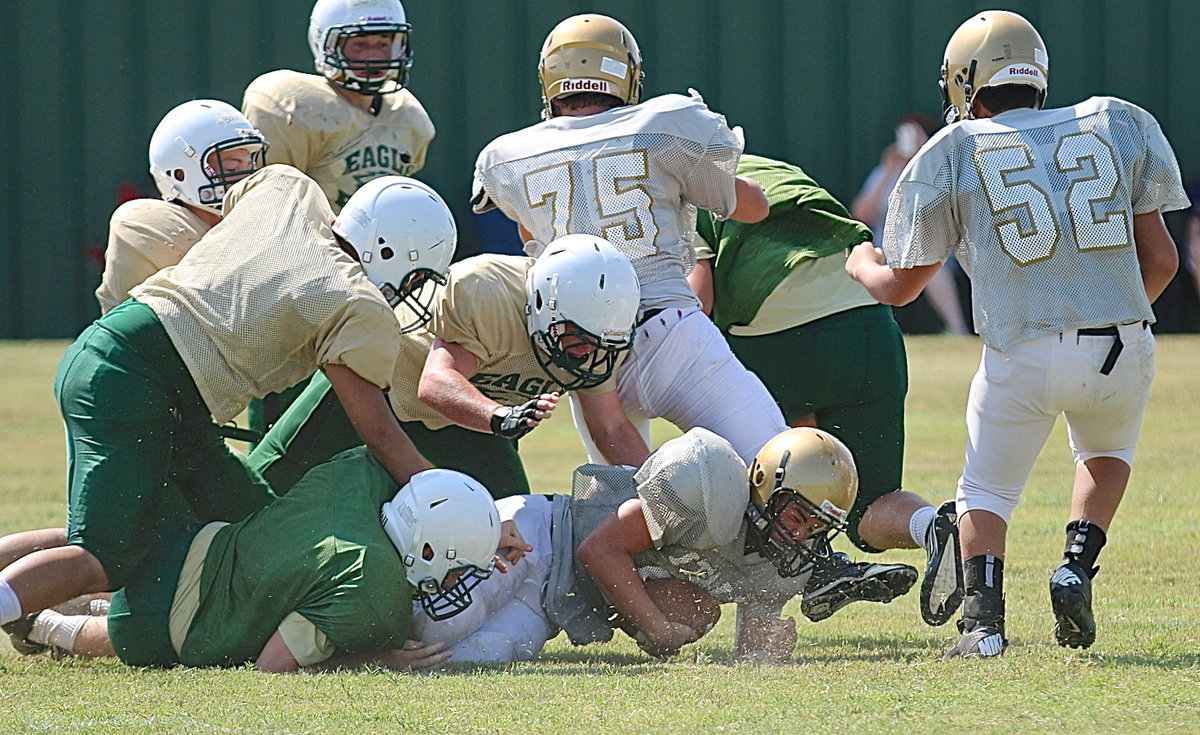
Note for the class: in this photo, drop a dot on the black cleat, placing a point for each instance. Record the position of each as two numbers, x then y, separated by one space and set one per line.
18 635
834 586
942 588
1071 598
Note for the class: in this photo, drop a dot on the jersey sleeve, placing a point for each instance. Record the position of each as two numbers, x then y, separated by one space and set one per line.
920 228
477 313
307 644
288 143
365 337
1158 185
710 184
683 505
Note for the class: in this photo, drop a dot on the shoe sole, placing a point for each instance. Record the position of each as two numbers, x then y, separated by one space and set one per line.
933 582
1074 625
883 588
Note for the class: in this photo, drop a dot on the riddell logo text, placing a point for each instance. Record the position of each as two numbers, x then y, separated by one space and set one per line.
1025 71
585 85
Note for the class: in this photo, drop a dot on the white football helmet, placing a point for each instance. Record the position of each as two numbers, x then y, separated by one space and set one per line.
990 49
581 302
405 238
334 22
446 528
803 473
182 146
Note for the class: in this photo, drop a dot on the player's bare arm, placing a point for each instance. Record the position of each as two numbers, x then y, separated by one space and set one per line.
616 437
1157 256
369 411
752 204
701 281
894 286
445 386
607 555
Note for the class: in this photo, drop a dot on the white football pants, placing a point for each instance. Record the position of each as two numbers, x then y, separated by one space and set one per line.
1016 397
680 368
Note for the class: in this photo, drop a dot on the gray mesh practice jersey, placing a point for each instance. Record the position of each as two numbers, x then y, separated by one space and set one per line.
1038 205
697 527
633 175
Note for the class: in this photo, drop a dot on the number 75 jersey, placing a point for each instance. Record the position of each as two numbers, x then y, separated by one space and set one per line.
633 175
1038 205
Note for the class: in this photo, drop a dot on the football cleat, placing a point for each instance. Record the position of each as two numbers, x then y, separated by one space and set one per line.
979 640
18 635
840 582
1071 599
942 588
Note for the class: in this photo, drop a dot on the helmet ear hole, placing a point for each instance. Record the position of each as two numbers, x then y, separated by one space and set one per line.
427 553
387 253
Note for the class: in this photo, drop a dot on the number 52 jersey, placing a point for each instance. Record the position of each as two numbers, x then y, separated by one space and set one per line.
1038 205
633 175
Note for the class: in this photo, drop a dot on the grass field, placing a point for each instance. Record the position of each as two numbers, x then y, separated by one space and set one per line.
870 669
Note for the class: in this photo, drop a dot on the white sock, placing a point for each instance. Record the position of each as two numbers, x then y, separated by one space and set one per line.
10 606
919 524
55 629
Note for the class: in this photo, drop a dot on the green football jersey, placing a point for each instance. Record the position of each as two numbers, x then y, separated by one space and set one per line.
319 551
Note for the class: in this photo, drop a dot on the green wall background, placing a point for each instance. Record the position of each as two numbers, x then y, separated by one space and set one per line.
818 82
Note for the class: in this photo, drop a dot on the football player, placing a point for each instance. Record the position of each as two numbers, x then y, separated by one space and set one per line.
197 151
507 335
354 120
605 164
774 288
689 514
1057 216
350 123
322 578
273 294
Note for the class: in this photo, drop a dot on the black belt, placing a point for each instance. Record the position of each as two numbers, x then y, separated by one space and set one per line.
647 315
1110 360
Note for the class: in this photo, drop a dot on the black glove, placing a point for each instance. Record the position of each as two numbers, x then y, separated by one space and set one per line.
509 421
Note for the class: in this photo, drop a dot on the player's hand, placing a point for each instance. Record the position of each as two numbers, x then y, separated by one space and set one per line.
863 254
666 641
513 546
514 422
414 656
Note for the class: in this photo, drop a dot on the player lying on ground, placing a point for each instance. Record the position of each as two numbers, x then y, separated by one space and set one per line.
314 580
506 337
687 514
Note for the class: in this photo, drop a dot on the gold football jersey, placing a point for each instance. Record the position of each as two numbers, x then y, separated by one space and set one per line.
144 236
267 297
312 127
482 309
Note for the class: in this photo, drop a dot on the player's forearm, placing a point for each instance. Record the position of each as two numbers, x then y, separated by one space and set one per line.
453 396
620 444
615 576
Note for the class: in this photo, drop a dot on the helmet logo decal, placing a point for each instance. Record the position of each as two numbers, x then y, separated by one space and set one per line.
618 69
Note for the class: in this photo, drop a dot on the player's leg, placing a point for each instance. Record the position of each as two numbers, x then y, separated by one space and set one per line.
689 376
1104 416
641 423
1009 418
313 429
22 543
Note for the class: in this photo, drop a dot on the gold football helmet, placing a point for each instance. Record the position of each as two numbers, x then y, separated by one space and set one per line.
801 473
590 53
994 47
